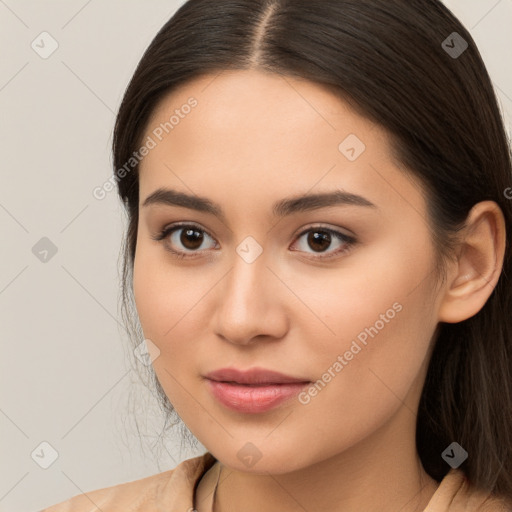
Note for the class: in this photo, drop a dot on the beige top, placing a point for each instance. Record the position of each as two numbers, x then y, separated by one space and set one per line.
175 491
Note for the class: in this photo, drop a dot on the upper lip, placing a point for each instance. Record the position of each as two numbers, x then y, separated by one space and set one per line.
251 376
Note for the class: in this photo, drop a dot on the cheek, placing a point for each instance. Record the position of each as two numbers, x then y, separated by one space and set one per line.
367 370
369 288
382 317
165 302
158 293
169 300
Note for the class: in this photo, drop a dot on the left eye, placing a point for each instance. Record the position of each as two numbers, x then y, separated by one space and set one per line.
192 237
320 238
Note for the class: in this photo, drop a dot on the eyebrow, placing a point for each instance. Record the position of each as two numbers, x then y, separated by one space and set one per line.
282 208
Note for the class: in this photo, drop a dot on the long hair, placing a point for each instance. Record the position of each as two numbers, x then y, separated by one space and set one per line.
399 64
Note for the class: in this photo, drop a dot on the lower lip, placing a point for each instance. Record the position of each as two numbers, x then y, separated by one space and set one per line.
253 399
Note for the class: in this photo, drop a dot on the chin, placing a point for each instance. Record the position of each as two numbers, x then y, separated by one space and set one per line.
264 457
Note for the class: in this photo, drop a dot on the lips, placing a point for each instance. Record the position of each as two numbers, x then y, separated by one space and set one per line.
253 376
253 391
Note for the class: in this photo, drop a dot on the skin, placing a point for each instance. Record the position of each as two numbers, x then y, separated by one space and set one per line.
253 139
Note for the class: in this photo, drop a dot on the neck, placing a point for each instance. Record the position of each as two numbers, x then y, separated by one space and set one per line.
379 474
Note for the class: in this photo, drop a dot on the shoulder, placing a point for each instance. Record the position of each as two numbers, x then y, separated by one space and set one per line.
175 486
127 496
456 494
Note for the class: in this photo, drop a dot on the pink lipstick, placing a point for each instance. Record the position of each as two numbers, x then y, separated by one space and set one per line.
255 390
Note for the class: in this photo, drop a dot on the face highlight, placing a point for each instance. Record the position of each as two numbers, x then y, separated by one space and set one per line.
275 231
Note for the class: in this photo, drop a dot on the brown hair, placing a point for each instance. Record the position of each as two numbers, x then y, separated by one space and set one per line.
388 60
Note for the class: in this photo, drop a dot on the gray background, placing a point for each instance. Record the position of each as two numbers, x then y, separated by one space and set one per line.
65 377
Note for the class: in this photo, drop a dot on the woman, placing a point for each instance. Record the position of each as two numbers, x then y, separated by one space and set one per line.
318 198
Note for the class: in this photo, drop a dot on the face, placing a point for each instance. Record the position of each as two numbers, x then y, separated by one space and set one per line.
337 293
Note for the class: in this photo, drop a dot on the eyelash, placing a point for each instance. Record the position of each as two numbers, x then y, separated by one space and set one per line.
349 241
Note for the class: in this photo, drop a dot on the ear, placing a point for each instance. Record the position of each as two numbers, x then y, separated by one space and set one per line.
474 275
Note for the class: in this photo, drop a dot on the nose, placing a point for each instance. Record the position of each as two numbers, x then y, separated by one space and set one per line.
251 303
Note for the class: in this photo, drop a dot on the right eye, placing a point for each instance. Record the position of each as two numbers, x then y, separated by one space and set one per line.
190 238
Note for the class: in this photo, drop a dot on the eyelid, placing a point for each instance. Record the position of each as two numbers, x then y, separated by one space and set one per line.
184 224
349 240
320 226
166 231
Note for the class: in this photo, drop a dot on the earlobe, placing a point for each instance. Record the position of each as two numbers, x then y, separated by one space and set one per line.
479 264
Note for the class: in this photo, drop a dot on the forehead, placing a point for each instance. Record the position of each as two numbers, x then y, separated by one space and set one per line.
260 104
258 133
